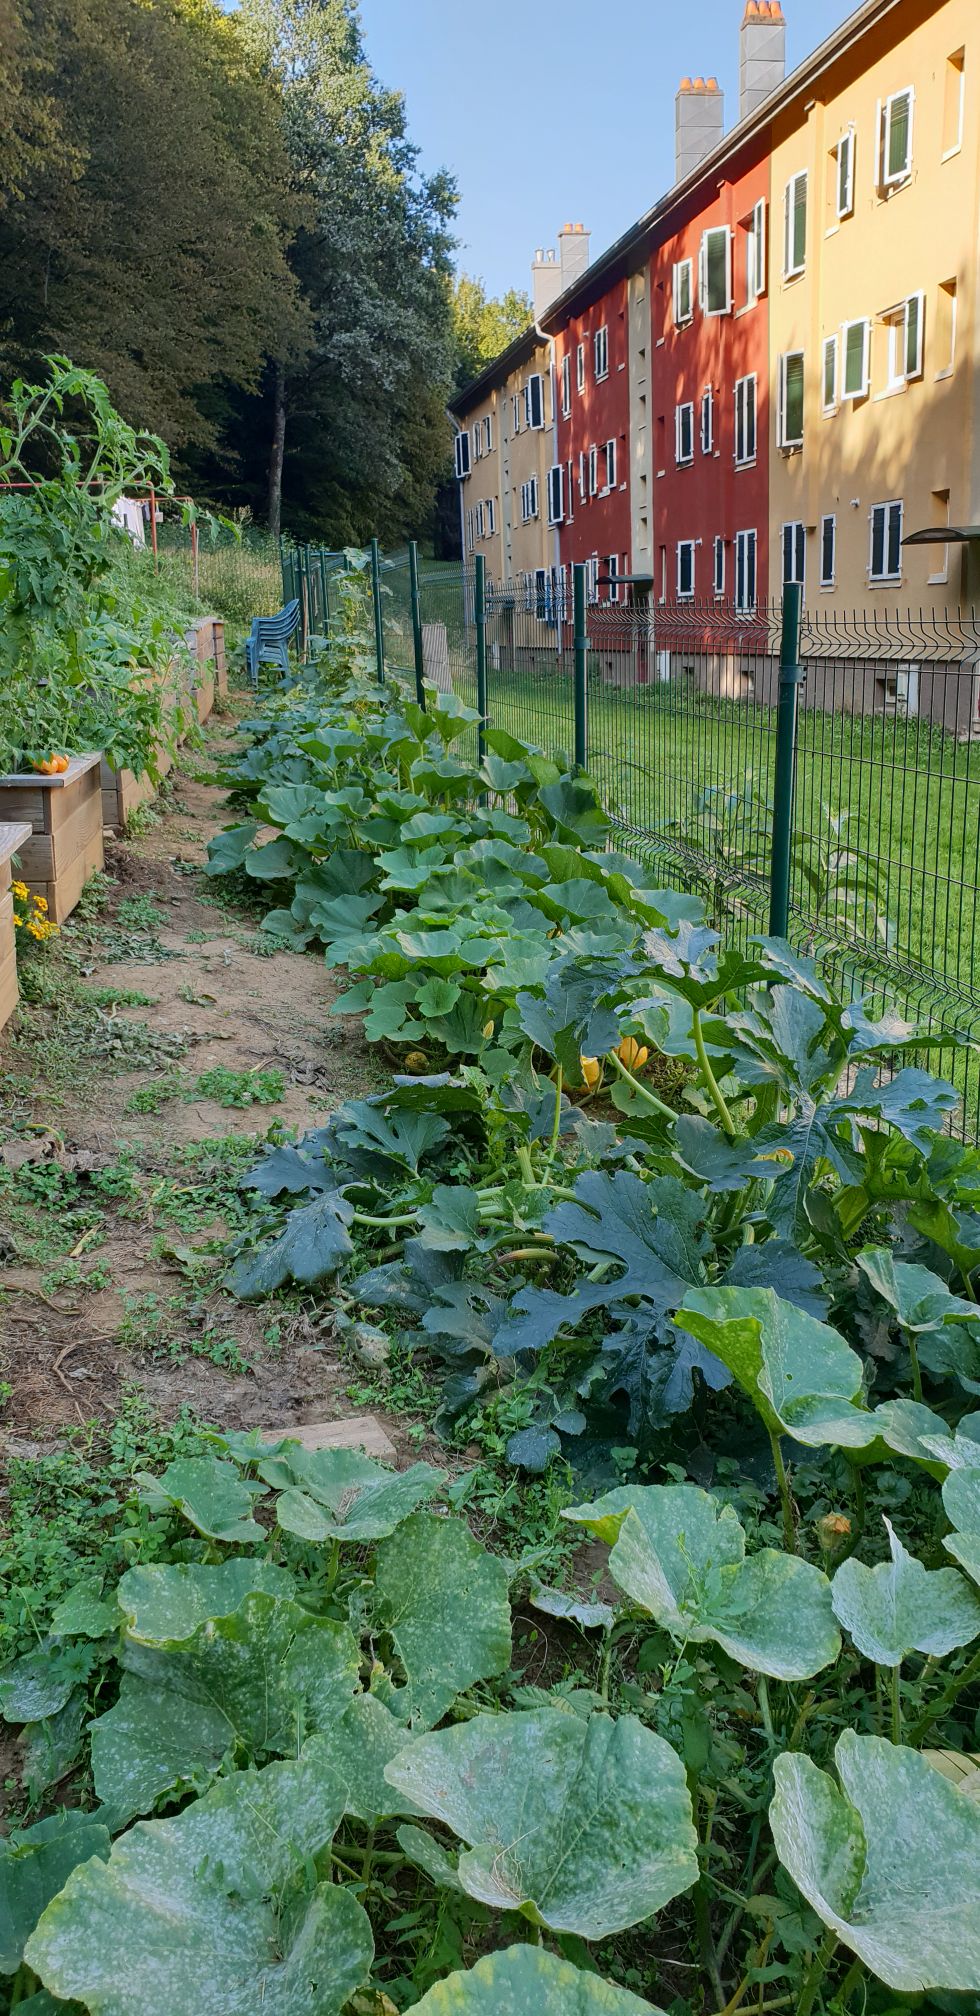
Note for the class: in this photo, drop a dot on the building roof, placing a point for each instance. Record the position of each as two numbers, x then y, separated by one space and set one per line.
621 257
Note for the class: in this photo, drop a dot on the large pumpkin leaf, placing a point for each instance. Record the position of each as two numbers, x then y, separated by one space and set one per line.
900 1606
35 1863
162 1605
584 1826
961 1498
338 1494
359 1746
681 1557
444 1601
921 1301
528 1981
311 1245
890 1862
152 1745
40 1683
799 1373
209 1494
214 1908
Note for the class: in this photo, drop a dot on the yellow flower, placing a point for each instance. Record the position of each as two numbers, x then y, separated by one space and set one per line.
18 922
19 889
631 1053
40 902
591 1071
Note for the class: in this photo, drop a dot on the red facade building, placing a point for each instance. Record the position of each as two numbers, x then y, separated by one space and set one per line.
593 435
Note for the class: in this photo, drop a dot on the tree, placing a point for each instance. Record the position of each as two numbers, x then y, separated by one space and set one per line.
483 327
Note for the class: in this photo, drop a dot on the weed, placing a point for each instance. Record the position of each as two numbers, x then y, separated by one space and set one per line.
116 997
140 913
142 819
152 1098
239 1088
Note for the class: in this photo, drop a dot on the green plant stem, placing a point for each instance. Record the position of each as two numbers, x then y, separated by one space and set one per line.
953 1687
764 1709
714 1089
556 1123
649 1098
786 1496
821 1961
895 1696
855 1973
916 1368
856 1474
385 1224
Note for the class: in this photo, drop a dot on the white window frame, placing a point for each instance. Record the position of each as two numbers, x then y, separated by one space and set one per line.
718 565
556 494
830 347
686 548
704 283
828 580
479 519
580 367
784 439
948 364
952 63
517 403
860 392
612 569
583 479
600 354
747 458
844 174
491 517
566 386
885 512
683 278
461 451
609 451
756 259
910 323
592 578
593 471
893 178
529 500
793 267
685 409
569 490
708 420
746 543
793 550
534 399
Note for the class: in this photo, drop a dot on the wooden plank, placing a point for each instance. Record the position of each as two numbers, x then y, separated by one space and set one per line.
12 838
81 818
122 791
9 990
64 892
362 1431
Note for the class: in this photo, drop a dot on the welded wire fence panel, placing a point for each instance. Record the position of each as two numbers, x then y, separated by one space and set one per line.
237 577
682 725
396 616
309 576
530 663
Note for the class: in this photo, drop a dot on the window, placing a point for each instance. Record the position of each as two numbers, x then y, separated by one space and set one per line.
491 517
610 455
592 578
707 421
905 330
613 572
479 520
556 494
529 500
569 490
715 271
600 353
945 342
831 373
828 551
583 481
896 139
461 450
517 403
540 601
794 554
953 104
684 432
469 531
593 471
566 387
789 412
940 519
745 420
857 348
746 549
844 152
718 568
794 226
685 569
580 367
886 542
755 254
683 292
488 434
534 400
477 440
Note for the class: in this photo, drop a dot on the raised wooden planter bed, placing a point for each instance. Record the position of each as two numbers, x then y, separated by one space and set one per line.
123 790
64 845
12 838
206 642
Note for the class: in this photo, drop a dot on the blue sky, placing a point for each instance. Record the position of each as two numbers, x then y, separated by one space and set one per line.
570 120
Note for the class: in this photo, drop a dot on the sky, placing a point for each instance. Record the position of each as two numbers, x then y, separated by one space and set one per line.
547 114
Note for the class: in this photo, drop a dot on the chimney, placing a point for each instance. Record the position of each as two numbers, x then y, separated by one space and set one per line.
573 253
700 122
762 65
551 273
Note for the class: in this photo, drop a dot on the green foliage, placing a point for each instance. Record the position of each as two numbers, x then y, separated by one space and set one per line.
483 327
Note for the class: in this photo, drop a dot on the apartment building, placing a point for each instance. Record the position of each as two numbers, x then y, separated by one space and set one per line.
774 375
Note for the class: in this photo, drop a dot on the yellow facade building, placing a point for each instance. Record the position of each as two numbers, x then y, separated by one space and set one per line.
505 449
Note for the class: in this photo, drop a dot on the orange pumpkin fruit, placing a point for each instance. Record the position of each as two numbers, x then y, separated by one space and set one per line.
631 1053
591 1072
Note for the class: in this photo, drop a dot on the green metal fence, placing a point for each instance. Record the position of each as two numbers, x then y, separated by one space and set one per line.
809 773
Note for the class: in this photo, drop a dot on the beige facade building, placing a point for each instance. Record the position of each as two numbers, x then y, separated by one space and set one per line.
874 340
506 448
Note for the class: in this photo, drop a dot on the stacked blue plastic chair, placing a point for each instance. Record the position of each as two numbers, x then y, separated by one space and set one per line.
269 640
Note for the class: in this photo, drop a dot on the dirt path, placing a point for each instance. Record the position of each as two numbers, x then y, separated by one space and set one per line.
118 1174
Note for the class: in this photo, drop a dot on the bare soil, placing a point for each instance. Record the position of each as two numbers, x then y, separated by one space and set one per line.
159 1321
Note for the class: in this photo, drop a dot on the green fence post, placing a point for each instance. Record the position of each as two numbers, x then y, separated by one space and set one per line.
413 576
379 633
480 620
791 672
580 643
285 567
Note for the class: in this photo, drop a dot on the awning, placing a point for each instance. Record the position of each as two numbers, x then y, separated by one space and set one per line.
943 535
